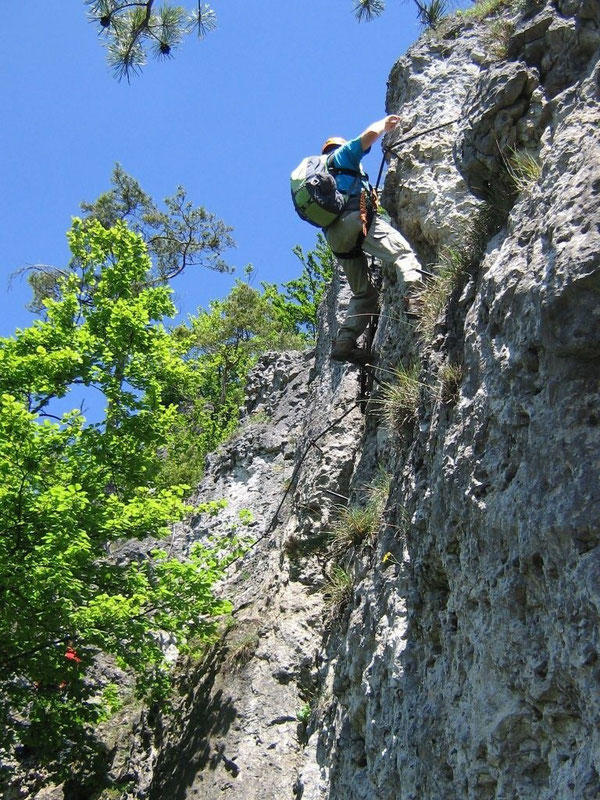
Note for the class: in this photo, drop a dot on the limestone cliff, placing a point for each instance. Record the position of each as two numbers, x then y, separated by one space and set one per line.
453 653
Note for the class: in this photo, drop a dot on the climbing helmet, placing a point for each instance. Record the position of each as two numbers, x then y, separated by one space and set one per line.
334 141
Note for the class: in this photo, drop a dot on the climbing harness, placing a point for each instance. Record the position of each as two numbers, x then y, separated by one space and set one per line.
367 209
369 201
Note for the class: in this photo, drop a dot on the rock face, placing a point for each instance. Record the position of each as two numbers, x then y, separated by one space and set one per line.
240 727
469 668
454 653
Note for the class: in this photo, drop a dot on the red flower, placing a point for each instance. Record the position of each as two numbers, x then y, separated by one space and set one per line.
71 654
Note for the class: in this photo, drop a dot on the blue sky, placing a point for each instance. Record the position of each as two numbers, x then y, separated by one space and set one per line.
228 118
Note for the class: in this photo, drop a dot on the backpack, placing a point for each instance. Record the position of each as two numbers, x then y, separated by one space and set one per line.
315 194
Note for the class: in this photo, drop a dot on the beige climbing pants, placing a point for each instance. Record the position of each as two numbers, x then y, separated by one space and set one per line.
384 243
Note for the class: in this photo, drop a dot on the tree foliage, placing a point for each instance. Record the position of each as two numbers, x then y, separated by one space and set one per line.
72 493
366 10
132 29
299 302
178 237
222 343
429 12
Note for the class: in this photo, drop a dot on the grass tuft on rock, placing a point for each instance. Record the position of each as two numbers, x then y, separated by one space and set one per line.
337 591
434 297
450 377
524 169
241 651
482 9
354 525
400 397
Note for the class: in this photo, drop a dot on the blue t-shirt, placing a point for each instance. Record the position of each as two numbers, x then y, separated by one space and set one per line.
348 156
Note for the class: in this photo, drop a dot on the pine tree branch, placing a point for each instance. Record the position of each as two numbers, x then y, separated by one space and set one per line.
135 35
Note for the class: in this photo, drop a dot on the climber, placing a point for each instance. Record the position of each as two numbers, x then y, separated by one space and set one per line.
359 230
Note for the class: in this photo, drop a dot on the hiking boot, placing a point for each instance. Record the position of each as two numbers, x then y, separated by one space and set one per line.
347 350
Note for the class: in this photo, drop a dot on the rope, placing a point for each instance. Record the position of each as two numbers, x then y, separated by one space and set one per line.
365 382
409 139
421 133
312 443
367 375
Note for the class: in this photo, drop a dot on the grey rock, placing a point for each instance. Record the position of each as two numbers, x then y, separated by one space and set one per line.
480 683
465 663
495 117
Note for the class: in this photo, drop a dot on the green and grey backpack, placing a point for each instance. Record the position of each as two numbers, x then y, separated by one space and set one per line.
315 194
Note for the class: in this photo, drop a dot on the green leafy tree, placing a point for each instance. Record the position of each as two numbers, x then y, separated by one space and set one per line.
178 237
133 29
73 493
222 344
298 304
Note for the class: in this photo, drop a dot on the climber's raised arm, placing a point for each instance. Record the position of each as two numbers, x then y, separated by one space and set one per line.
376 129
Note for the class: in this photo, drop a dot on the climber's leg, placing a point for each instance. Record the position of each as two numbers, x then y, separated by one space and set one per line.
342 237
388 245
